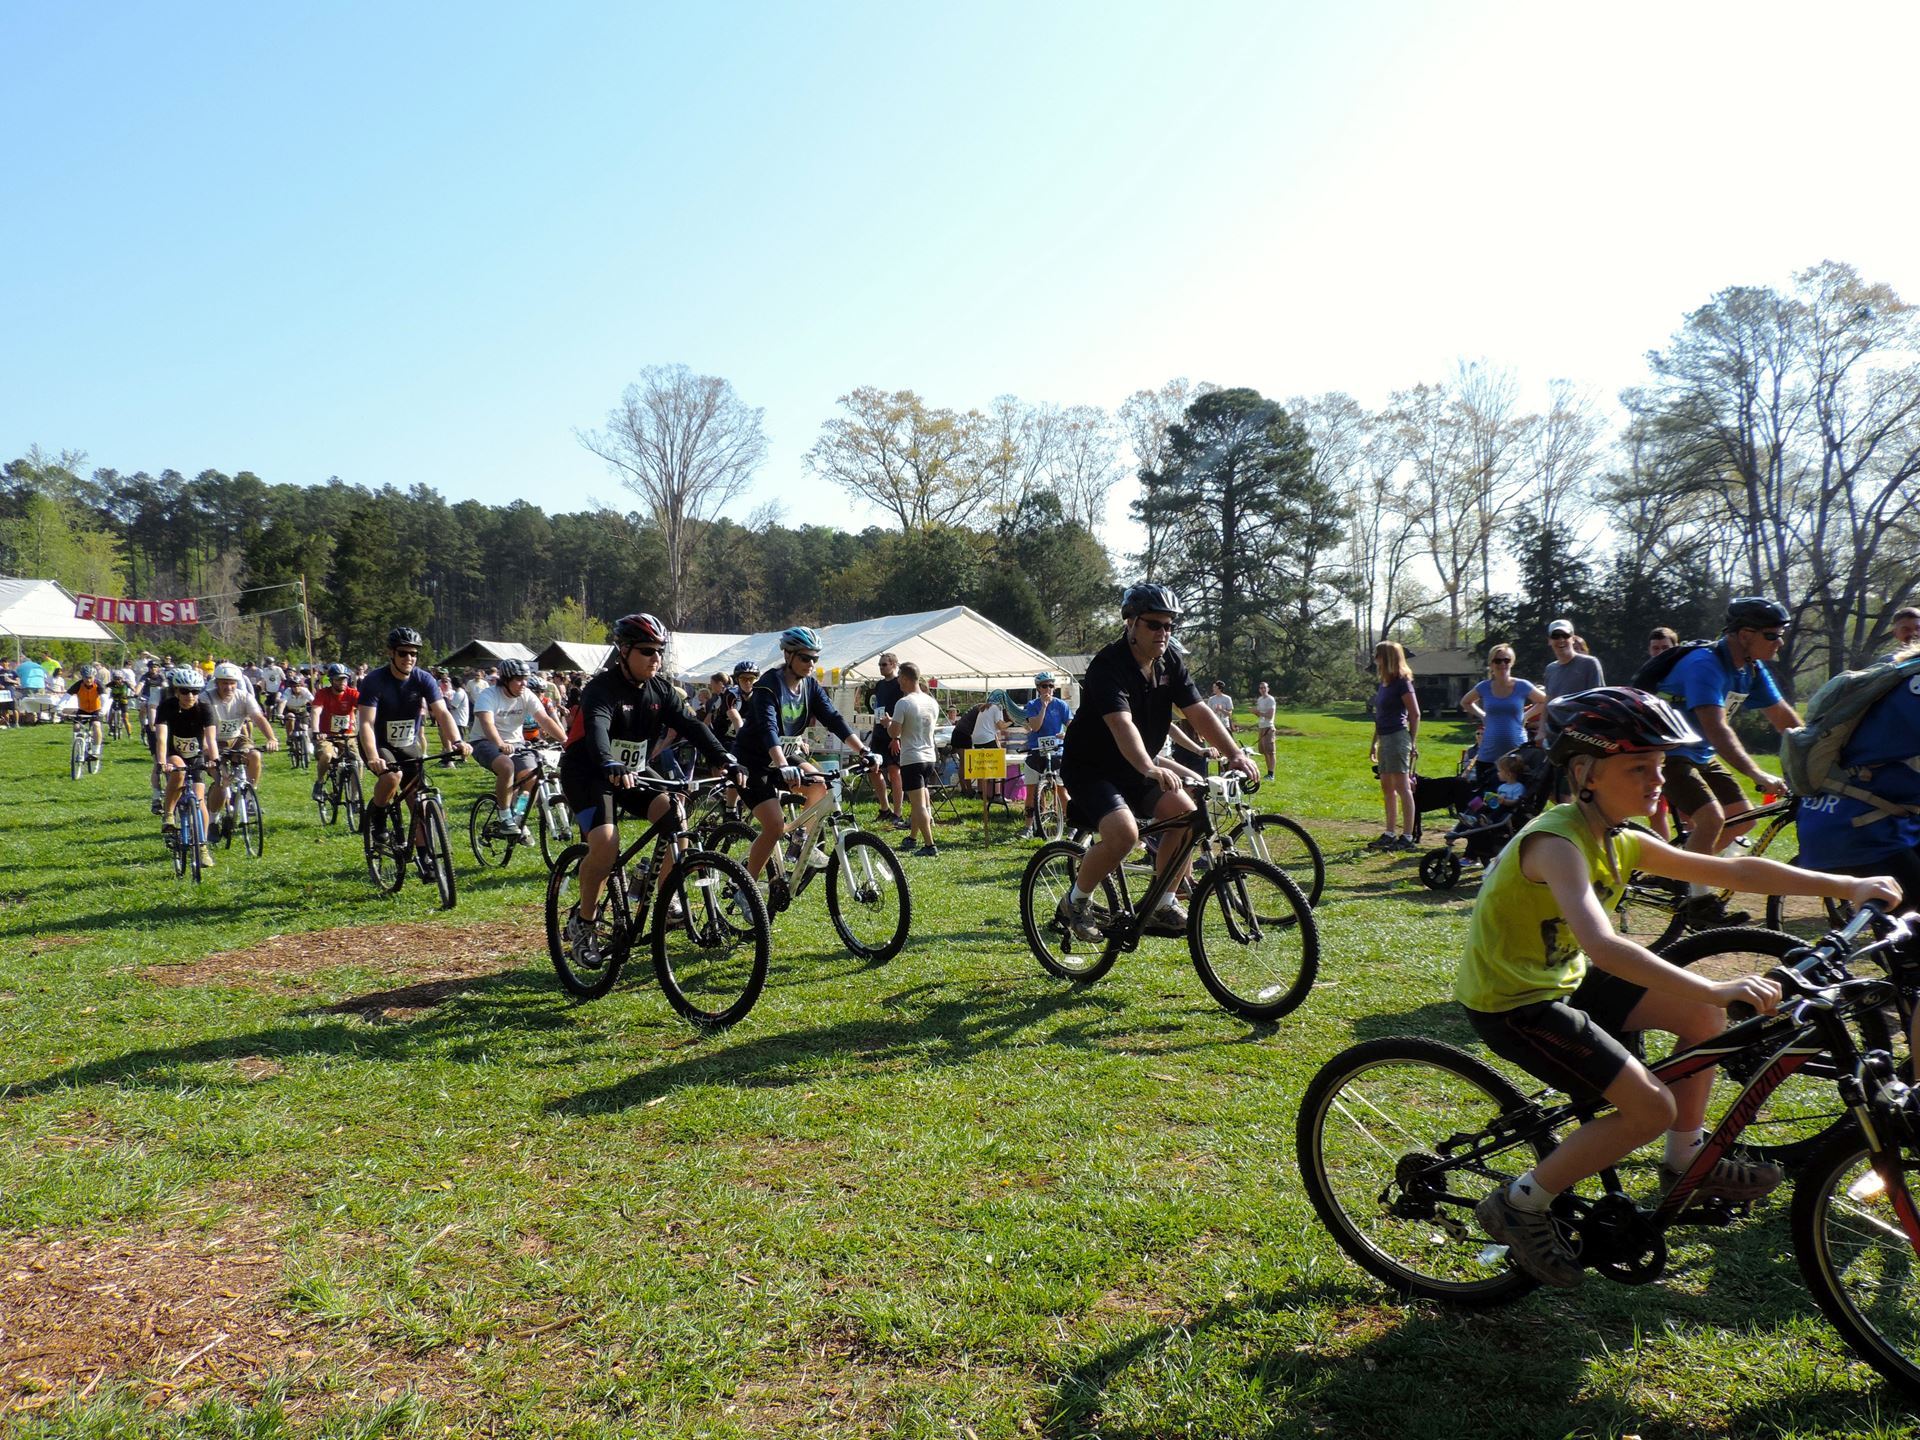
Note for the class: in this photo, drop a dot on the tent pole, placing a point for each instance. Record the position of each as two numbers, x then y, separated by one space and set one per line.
306 618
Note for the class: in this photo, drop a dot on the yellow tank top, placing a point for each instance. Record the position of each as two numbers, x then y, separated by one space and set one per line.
1519 947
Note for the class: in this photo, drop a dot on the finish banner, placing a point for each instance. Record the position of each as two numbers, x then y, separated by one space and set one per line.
109 611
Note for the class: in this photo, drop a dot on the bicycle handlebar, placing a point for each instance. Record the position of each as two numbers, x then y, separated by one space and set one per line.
1819 967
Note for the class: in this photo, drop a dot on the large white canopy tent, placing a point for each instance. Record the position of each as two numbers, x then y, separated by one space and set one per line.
43 610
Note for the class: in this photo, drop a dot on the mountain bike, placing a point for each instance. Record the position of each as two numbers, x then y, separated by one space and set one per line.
1276 838
1250 930
1049 796
242 812
1656 910
186 837
1399 1138
705 922
86 755
868 899
546 812
117 721
299 748
421 838
341 789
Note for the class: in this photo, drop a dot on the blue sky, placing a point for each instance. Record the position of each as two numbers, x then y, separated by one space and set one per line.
407 244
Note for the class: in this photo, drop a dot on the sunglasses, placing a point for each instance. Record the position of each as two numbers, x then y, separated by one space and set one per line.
801 655
1500 660
654 650
414 653
1772 637
1159 627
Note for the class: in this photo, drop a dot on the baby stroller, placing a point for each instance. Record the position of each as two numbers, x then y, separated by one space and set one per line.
1481 837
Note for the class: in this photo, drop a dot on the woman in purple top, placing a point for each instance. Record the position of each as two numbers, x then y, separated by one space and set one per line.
1499 703
1396 723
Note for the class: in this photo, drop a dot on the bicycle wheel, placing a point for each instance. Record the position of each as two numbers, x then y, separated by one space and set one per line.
93 761
440 848
1856 1234
179 849
733 839
1253 938
588 970
489 849
1805 1111
329 803
1048 877
1808 916
1281 840
867 898
251 823
1379 1129
195 836
79 760
556 828
353 801
384 844
711 940
1050 811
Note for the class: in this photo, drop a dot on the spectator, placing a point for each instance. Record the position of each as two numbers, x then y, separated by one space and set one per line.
1264 709
1660 640
990 732
1570 671
1396 728
1499 703
1906 631
910 722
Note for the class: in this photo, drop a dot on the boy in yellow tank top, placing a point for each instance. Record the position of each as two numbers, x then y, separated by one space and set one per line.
1550 986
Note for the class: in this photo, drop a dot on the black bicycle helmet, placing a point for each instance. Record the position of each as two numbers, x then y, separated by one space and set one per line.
1615 720
640 628
1147 598
512 670
1755 612
403 635
745 667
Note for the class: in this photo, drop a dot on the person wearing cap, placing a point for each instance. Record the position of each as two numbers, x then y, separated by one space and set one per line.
1047 715
1569 672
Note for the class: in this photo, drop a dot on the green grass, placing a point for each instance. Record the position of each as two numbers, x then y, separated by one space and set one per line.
944 1197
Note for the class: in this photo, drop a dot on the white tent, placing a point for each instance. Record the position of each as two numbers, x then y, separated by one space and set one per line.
487 652
572 655
43 610
694 652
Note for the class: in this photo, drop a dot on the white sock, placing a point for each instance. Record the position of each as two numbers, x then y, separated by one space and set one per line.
1076 896
1694 888
1680 1147
1526 1193
1169 900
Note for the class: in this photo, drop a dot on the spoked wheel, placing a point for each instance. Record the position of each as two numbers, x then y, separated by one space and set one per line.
490 849
1440 869
1281 840
79 761
1048 879
1805 1112
385 846
733 839
352 799
711 941
1650 911
440 852
867 897
588 965
179 848
1856 1233
328 804
251 823
196 840
93 761
1807 916
1253 938
556 829
1379 1129
1050 813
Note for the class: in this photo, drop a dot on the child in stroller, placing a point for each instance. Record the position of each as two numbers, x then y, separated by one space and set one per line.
1491 819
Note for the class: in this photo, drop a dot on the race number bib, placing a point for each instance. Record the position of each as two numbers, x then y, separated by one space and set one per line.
630 753
403 735
230 728
185 746
340 724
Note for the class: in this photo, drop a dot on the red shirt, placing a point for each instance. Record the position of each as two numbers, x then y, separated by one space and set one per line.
333 710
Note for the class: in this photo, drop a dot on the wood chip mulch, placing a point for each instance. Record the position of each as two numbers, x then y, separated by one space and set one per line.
417 952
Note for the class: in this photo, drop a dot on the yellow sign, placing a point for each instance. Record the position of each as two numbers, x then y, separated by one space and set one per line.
985 764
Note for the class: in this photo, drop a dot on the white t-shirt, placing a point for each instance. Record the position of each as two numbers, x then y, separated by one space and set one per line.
986 725
459 706
299 697
1221 705
917 713
230 716
271 679
509 713
1263 709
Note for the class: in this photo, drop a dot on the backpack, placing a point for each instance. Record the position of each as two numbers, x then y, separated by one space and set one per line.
963 729
1810 754
1650 676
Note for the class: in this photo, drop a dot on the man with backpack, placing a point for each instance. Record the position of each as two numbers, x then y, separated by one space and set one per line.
1712 683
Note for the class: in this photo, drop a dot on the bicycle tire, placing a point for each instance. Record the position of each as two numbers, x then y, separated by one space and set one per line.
386 866
1262 962
93 760
252 825
1048 876
355 800
875 871
78 761
712 960
1299 855
733 839
1434 1096
1853 1232
492 852
441 848
328 804
1805 1112
179 855
556 829
612 926
196 842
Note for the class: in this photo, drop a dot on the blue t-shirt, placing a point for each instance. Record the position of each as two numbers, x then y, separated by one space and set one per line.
773 713
1052 722
1887 736
1504 728
396 705
1389 706
1708 677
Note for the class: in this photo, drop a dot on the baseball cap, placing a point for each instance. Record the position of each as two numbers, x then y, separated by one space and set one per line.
1560 627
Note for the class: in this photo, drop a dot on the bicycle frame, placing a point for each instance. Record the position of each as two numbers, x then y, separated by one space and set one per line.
1197 829
680 838
803 832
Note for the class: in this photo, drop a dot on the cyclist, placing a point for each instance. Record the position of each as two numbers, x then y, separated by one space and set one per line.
622 712
233 711
1047 715
1127 701
331 721
1549 985
295 701
120 692
1712 685
501 716
392 700
90 701
779 707
185 736
886 779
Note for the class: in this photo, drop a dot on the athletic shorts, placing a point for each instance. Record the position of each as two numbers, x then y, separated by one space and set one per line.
1571 1044
916 777
1690 784
486 752
1037 764
763 784
884 745
594 800
1395 753
1096 796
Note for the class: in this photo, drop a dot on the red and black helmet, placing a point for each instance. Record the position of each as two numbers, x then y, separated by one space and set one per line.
640 629
1614 720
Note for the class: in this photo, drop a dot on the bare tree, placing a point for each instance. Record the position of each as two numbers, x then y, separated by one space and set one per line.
1441 496
1483 399
1086 464
1016 447
918 463
1562 451
1147 417
686 446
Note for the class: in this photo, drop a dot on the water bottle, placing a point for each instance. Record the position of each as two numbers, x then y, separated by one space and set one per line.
520 804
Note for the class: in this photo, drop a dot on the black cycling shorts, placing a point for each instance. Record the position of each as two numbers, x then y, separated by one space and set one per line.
916 777
595 800
1093 796
1571 1044
884 745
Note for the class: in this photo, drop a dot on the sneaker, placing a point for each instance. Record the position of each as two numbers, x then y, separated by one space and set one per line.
900 822
1733 1177
1028 831
318 790
580 942
1386 840
206 857
1167 919
1406 842
818 859
928 850
1078 919
157 807
169 831
1709 912
1532 1239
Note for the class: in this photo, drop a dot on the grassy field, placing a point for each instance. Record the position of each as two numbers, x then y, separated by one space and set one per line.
280 1157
